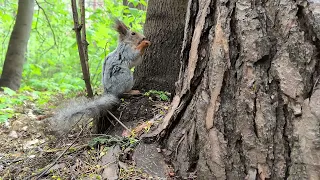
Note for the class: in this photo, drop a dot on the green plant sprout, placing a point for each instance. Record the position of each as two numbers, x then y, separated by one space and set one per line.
164 96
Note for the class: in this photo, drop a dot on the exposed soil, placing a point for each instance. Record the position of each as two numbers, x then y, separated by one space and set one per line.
28 151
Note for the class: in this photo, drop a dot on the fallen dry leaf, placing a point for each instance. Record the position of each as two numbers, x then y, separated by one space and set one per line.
32 143
145 125
13 134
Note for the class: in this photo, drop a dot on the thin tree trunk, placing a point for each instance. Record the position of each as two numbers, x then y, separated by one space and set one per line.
164 28
15 57
84 42
82 46
247 104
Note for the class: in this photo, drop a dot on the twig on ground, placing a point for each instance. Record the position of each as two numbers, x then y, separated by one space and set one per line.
8 162
119 121
40 174
56 160
76 148
315 85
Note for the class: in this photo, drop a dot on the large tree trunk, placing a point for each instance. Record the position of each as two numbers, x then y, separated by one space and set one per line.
247 103
13 64
164 28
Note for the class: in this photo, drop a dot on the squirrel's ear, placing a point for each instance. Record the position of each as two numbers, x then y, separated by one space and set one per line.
121 28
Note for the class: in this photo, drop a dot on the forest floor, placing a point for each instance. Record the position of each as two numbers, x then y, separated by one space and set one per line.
29 151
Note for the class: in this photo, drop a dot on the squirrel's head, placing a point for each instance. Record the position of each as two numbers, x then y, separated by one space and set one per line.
135 39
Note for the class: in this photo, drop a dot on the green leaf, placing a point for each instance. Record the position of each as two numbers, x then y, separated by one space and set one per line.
164 97
4 117
8 91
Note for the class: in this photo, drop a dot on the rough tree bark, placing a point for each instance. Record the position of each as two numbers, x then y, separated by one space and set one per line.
160 67
247 104
15 57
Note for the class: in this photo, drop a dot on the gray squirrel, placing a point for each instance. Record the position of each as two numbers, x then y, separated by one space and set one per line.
117 79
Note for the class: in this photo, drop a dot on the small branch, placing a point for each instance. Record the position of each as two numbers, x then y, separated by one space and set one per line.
83 32
48 3
105 49
36 26
315 85
119 121
8 162
57 159
7 35
40 174
46 16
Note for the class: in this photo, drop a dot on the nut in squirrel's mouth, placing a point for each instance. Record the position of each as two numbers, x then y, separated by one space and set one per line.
145 41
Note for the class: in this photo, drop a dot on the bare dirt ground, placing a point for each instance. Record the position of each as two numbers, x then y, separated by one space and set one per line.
29 151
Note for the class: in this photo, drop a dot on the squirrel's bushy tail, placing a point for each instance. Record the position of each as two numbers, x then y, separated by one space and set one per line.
71 112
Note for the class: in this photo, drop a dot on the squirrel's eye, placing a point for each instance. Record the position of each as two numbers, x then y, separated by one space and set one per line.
133 33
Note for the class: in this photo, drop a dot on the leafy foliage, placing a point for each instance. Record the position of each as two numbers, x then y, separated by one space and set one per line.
10 100
52 62
164 96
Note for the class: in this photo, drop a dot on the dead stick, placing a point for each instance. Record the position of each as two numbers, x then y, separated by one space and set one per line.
119 121
40 174
77 28
56 160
